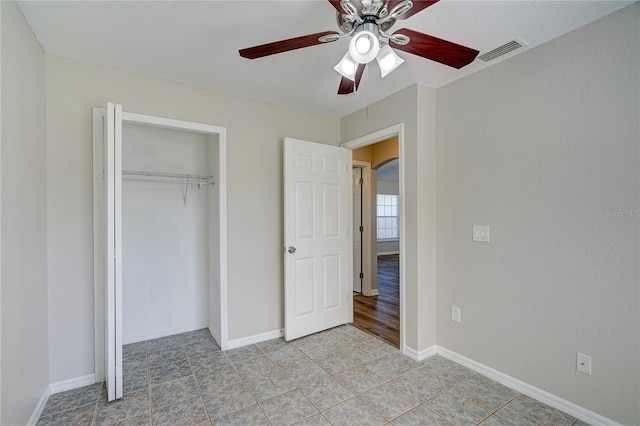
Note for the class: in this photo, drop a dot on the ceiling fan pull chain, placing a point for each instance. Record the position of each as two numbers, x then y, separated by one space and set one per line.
366 95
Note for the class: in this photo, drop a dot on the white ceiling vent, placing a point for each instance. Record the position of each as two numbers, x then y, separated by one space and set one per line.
500 51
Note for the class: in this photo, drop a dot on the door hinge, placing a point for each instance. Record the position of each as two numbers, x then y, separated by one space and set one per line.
361 228
361 275
361 181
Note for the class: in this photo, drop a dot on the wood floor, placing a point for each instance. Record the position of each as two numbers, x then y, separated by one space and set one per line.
380 315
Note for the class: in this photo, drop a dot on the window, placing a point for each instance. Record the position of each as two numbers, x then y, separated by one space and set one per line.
387 217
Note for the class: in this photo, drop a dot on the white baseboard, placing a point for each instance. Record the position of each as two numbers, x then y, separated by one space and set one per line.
40 407
162 333
419 355
244 341
373 292
74 383
526 389
215 335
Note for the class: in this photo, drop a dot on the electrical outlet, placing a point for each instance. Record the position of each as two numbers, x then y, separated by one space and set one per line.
456 314
583 363
481 234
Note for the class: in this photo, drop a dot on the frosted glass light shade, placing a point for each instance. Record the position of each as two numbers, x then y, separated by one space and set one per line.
347 67
388 60
364 47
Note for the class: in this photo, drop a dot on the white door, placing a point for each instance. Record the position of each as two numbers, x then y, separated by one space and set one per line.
113 269
317 236
357 233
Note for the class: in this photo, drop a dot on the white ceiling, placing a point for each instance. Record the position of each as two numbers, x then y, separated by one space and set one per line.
197 42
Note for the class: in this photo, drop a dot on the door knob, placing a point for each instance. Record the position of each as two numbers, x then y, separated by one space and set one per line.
291 249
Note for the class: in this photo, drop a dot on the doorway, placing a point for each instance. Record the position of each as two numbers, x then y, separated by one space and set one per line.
380 310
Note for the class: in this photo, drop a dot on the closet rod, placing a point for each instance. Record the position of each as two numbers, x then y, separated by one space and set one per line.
179 178
194 182
165 175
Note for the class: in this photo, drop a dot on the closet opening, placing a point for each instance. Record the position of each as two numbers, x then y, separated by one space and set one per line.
168 251
172 232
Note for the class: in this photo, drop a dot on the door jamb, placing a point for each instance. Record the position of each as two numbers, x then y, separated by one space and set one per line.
98 222
366 223
370 139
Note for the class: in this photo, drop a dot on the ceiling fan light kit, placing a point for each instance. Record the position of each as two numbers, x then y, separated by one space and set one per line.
347 67
388 60
367 23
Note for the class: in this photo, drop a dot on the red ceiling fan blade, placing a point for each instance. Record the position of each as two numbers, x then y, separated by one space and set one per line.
338 6
347 86
436 49
418 5
284 45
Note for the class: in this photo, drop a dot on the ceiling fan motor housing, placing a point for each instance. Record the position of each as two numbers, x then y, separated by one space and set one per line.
364 45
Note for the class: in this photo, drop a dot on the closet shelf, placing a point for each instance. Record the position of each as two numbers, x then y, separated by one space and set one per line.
159 177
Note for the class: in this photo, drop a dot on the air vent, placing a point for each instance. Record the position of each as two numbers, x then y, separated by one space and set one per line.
499 51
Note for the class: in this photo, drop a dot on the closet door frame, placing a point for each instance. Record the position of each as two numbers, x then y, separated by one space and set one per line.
99 223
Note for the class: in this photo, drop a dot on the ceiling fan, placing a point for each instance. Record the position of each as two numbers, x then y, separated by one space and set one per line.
367 22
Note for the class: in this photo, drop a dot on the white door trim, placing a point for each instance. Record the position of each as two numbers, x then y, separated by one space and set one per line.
98 222
113 255
366 223
370 139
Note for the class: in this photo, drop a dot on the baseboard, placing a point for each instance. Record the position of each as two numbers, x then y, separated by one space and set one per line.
162 333
215 335
373 292
74 383
419 355
257 338
40 407
526 389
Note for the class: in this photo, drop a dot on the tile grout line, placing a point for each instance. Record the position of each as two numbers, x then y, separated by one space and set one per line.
443 373
244 384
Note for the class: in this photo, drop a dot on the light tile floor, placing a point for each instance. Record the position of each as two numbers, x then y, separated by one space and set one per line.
342 376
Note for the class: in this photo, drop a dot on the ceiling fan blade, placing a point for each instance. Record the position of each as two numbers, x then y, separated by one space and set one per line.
436 49
336 3
284 45
347 86
418 5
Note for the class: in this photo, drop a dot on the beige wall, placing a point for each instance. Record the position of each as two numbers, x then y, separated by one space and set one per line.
544 148
254 169
25 362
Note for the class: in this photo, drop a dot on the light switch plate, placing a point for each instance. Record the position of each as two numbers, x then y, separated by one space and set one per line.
456 314
481 233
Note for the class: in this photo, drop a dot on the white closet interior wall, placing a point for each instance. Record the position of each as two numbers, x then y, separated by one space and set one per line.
166 244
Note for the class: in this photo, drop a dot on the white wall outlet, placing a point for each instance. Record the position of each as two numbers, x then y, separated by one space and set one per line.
481 233
456 314
583 363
